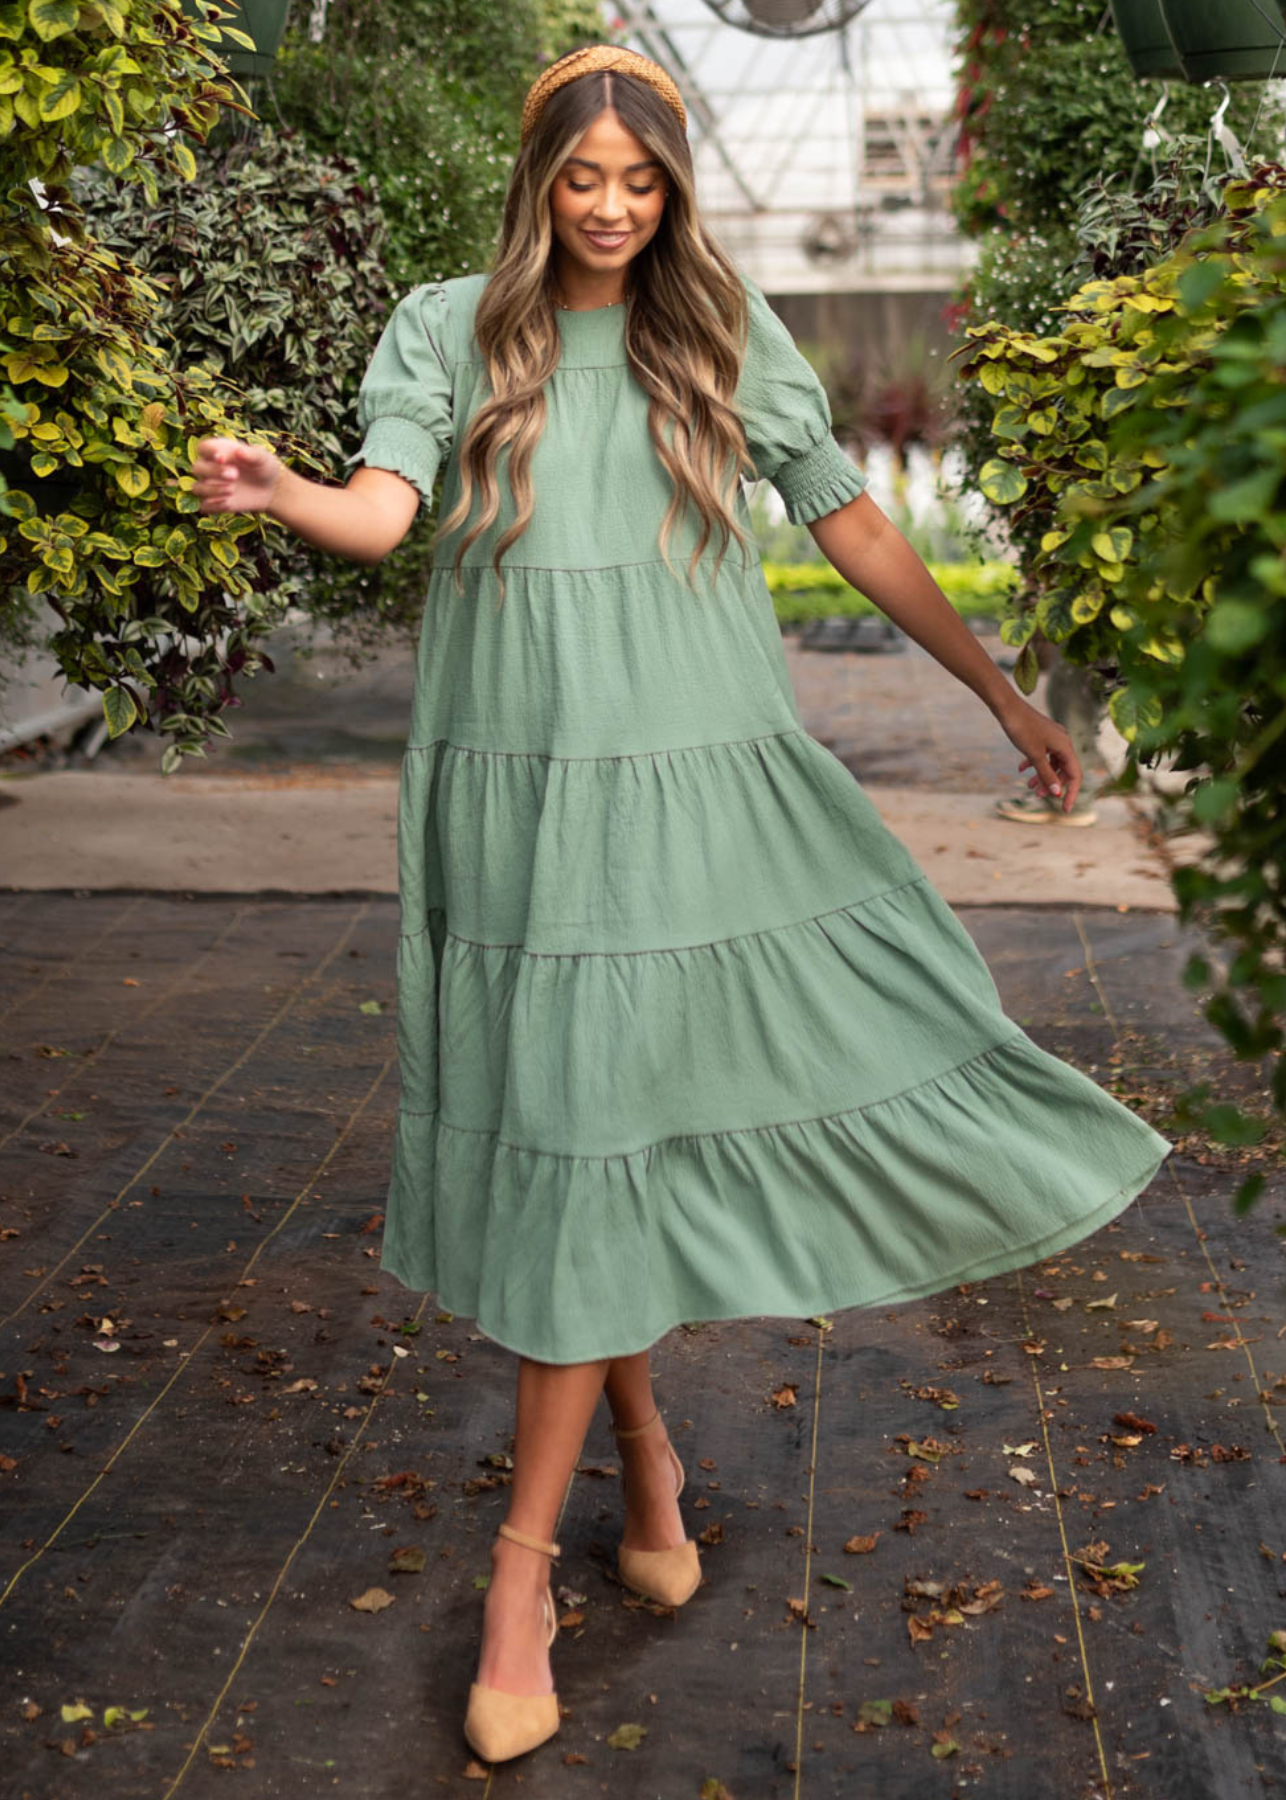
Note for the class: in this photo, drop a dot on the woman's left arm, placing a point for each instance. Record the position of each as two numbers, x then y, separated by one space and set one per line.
871 554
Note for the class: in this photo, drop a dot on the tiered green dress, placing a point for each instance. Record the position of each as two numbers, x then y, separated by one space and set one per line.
684 1030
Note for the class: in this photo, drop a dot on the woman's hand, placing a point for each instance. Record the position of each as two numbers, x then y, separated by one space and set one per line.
235 477
1046 748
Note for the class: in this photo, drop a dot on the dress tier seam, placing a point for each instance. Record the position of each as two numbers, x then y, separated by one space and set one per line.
646 562
735 937
622 756
728 1131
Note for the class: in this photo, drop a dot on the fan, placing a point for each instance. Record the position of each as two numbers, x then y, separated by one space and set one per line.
787 18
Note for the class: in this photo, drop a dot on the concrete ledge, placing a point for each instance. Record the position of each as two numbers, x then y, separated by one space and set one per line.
310 833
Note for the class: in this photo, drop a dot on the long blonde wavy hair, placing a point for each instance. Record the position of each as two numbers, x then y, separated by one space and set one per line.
686 321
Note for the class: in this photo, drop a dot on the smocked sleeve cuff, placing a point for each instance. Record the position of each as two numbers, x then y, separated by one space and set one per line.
819 482
403 446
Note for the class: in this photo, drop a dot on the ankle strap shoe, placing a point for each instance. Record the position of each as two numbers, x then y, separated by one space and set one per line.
671 1576
498 1724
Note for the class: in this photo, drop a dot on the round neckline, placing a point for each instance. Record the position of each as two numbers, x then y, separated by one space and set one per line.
579 312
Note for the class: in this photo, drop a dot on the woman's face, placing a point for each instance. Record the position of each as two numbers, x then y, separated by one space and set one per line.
606 201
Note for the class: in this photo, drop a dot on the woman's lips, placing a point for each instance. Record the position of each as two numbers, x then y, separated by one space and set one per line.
607 240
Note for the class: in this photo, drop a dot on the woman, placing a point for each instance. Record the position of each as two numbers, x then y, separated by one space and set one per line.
684 1032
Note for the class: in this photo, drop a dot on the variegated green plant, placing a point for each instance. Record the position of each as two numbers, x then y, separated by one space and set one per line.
1054 402
160 605
1152 432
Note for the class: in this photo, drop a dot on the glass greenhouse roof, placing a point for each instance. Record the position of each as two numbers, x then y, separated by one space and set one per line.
823 161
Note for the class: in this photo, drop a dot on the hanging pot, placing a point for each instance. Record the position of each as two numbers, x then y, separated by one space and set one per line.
1142 31
264 21
1237 40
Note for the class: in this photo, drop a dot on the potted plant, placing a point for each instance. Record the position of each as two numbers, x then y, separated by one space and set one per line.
1240 40
1140 25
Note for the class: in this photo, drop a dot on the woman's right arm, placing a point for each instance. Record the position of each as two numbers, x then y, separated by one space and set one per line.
363 521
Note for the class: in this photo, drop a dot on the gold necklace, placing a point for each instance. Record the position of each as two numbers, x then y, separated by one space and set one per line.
563 306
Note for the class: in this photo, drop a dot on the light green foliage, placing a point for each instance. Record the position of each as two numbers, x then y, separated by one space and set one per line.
156 606
1150 435
815 590
425 97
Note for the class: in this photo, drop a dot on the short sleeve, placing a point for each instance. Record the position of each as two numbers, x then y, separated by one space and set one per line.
787 420
404 401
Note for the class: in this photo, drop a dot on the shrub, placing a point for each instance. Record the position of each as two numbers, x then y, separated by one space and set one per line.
160 606
1149 436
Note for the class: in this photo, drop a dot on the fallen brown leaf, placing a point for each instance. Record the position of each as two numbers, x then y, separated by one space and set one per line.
373 1600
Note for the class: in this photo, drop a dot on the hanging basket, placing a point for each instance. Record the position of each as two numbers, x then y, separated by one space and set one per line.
1235 40
264 21
1141 27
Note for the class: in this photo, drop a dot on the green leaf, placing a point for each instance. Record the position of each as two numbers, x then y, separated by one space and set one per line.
1001 482
117 154
119 711
837 1581
184 160
1026 670
1113 545
1244 501
1116 400
131 479
1214 800
1132 711
1201 282
61 100
627 1737
1236 625
50 18
371 1006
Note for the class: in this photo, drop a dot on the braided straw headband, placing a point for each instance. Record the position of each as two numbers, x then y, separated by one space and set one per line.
585 62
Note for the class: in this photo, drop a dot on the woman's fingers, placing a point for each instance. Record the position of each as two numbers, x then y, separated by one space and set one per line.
1057 770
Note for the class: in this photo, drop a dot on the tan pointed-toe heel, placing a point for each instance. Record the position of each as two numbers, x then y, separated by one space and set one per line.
667 1576
498 1724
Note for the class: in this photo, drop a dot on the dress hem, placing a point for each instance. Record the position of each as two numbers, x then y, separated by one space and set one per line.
1072 1231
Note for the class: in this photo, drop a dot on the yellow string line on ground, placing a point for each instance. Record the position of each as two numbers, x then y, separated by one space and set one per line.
86 1063
808 1563
58 973
1068 1565
1270 1418
189 1356
111 1206
295 1548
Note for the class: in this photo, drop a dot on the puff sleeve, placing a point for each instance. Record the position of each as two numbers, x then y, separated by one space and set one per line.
404 401
787 419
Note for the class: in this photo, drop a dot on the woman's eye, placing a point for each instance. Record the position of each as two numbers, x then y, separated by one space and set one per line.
583 187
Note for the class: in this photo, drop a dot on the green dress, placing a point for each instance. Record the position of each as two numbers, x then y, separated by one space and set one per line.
684 1031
